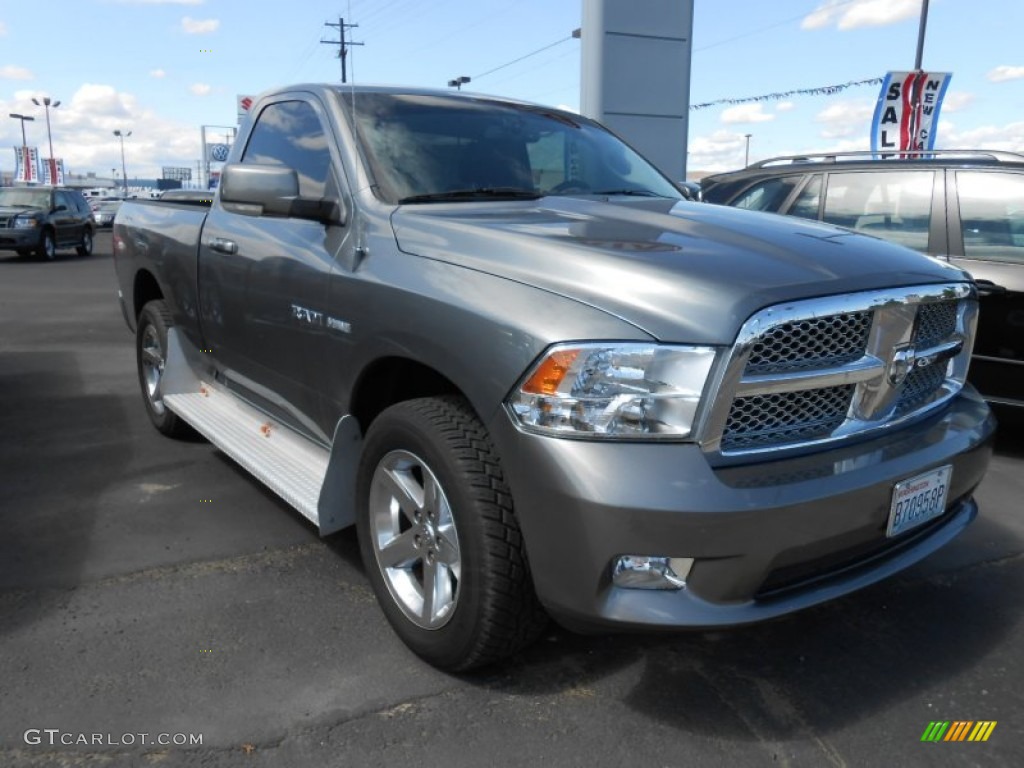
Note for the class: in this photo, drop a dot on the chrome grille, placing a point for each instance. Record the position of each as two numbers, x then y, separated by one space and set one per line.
935 322
920 385
811 342
786 416
821 370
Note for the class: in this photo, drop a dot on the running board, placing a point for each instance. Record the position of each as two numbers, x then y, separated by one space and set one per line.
291 465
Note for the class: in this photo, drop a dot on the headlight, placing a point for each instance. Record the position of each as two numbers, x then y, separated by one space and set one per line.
617 391
24 223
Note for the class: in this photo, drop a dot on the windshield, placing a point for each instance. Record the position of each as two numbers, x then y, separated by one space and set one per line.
422 148
24 197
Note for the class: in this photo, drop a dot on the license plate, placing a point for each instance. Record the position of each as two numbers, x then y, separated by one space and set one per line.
918 500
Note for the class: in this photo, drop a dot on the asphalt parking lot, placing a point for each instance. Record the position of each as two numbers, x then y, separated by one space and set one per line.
151 587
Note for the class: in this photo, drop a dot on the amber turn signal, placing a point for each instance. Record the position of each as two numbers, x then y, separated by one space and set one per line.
549 374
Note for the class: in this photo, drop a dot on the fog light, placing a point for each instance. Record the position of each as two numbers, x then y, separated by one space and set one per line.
643 572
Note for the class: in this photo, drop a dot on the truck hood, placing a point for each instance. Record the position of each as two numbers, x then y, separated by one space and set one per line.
682 272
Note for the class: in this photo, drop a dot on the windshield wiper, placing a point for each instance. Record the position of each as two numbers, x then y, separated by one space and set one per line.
477 193
635 192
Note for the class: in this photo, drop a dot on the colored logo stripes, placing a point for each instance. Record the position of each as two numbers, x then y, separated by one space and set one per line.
959 730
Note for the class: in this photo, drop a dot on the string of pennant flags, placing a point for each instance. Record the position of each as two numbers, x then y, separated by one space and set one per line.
824 90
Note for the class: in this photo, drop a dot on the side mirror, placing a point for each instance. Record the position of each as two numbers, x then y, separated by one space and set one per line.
691 190
60 208
256 189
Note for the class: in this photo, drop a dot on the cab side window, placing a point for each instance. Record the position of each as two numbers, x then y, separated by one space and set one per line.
808 201
768 195
290 133
992 215
892 205
80 204
62 198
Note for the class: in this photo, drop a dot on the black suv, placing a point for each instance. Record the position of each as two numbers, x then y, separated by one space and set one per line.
962 206
40 220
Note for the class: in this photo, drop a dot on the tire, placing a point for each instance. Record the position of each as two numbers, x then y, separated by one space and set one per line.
151 357
85 249
47 246
433 507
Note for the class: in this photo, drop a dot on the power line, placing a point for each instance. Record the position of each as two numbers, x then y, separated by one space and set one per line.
378 10
540 65
521 58
765 29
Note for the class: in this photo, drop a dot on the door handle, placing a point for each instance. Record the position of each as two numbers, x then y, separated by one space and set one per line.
222 245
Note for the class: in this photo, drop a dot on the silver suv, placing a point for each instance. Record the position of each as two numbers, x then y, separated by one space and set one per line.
961 206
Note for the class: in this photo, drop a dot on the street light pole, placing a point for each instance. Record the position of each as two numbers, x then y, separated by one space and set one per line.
51 163
920 35
746 153
458 82
124 170
24 143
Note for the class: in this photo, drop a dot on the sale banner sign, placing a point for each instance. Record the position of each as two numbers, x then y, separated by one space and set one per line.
907 113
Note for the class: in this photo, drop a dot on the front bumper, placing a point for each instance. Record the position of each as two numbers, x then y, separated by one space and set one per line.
767 538
19 237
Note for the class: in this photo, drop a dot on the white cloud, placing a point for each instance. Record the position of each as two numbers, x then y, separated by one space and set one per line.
1003 73
1009 137
785 106
10 72
199 26
199 89
844 119
83 135
955 101
847 14
745 113
722 150
157 73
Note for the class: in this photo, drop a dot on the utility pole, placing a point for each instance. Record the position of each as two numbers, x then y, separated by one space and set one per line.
342 44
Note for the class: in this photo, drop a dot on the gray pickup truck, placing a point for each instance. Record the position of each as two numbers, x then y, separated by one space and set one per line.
539 382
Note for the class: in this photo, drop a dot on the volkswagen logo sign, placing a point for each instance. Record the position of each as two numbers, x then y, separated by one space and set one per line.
219 152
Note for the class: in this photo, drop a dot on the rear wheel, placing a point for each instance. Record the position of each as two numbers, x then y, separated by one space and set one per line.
85 249
439 537
151 358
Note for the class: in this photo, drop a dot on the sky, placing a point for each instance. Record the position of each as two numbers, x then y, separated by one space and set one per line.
163 68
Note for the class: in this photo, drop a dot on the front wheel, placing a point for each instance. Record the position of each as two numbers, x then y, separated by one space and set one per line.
47 246
151 358
439 536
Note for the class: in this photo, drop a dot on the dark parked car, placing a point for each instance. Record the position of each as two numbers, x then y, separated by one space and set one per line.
40 220
962 206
